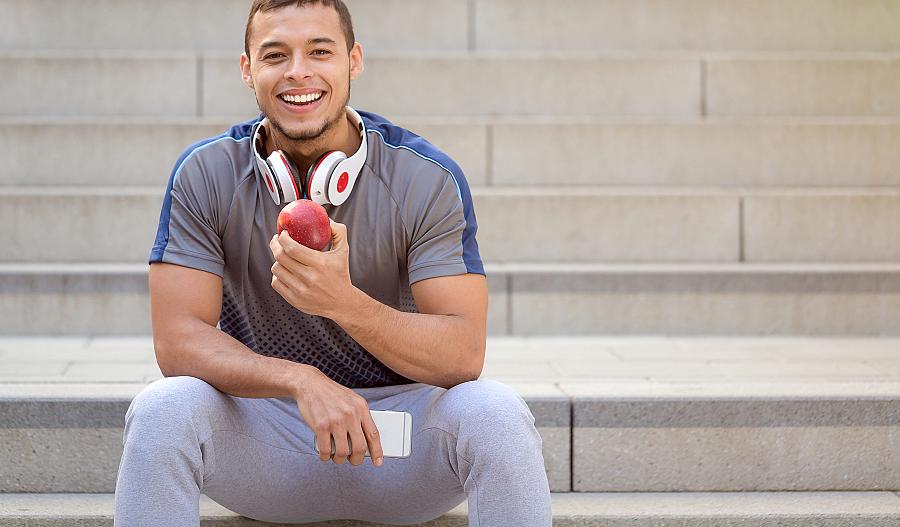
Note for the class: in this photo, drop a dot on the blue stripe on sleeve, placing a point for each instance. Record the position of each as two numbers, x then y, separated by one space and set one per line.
237 133
397 137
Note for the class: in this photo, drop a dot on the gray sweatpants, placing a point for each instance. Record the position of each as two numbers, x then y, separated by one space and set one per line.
257 457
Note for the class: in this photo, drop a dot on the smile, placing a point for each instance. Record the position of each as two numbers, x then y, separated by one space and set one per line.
300 100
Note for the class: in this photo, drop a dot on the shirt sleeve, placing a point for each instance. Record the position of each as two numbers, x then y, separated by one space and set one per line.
442 230
188 232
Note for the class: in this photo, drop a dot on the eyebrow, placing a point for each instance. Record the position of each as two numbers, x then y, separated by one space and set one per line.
311 42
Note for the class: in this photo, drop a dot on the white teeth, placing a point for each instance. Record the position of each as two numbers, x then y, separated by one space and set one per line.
302 98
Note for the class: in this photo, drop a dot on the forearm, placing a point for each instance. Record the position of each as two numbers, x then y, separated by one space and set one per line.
208 353
441 350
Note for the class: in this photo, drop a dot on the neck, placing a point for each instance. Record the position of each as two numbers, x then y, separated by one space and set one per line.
343 136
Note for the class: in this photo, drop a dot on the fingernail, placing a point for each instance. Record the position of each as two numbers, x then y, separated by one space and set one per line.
378 462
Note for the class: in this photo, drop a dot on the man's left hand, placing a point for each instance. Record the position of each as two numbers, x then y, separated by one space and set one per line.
315 282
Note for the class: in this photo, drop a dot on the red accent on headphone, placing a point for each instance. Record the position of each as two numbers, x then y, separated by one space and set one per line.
342 182
269 182
287 167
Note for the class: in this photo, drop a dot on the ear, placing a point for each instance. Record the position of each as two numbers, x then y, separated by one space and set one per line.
246 76
356 61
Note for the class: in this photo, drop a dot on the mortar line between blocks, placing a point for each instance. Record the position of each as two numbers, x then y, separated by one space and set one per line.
489 156
741 229
509 293
199 100
703 104
470 34
571 445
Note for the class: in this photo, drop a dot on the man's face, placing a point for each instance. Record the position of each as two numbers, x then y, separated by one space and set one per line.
300 53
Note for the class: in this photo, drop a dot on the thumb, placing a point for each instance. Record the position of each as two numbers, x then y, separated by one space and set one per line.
338 236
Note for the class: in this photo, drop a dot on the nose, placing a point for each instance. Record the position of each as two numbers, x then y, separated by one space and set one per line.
298 68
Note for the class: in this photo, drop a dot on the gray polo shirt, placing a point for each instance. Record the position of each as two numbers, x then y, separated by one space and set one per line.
409 217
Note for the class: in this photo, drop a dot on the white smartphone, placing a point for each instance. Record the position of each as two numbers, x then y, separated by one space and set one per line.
395 430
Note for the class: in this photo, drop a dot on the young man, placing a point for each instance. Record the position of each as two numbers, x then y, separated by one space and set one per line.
392 317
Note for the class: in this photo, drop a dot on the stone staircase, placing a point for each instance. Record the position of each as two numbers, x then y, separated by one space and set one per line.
637 431
681 168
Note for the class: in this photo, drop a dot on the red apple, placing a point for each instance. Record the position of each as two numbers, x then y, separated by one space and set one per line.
306 222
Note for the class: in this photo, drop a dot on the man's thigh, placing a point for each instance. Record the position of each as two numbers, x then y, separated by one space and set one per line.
264 464
405 490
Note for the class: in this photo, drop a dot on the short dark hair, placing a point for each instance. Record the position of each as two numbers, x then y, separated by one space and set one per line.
270 5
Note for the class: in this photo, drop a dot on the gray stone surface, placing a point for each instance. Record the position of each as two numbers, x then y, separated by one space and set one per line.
60 302
694 153
794 509
846 87
60 84
61 459
90 225
420 85
173 24
105 224
752 458
735 412
705 304
697 25
557 452
95 153
605 226
124 152
552 300
661 428
822 228
74 304
727 153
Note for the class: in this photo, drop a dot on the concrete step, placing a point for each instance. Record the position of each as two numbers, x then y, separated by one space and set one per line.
768 25
834 509
522 224
172 84
458 25
133 152
104 83
618 415
502 151
530 299
380 25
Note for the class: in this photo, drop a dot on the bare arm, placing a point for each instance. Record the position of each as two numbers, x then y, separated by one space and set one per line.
185 307
442 345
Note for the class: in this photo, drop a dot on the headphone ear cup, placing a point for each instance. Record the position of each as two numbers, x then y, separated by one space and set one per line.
341 183
284 177
320 174
295 176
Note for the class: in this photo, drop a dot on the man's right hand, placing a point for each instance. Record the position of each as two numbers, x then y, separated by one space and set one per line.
335 411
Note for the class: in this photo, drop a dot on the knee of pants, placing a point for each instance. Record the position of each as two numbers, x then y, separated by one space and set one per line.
487 410
168 407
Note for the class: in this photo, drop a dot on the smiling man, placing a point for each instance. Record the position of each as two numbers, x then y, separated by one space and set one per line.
273 354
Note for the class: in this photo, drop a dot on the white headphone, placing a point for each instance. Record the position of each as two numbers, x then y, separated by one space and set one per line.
329 180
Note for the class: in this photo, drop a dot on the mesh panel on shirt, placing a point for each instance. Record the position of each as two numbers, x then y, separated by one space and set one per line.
280 330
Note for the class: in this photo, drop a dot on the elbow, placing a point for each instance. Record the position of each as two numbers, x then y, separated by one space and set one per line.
469 368
166 350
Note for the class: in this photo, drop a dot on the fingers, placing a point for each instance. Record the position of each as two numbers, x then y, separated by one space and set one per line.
296 251
324 444
373 439
338 236
342 446
357 446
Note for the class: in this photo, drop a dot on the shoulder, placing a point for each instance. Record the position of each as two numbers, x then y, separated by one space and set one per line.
228 152
403 159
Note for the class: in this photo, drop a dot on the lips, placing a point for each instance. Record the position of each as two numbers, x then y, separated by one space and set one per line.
300 107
